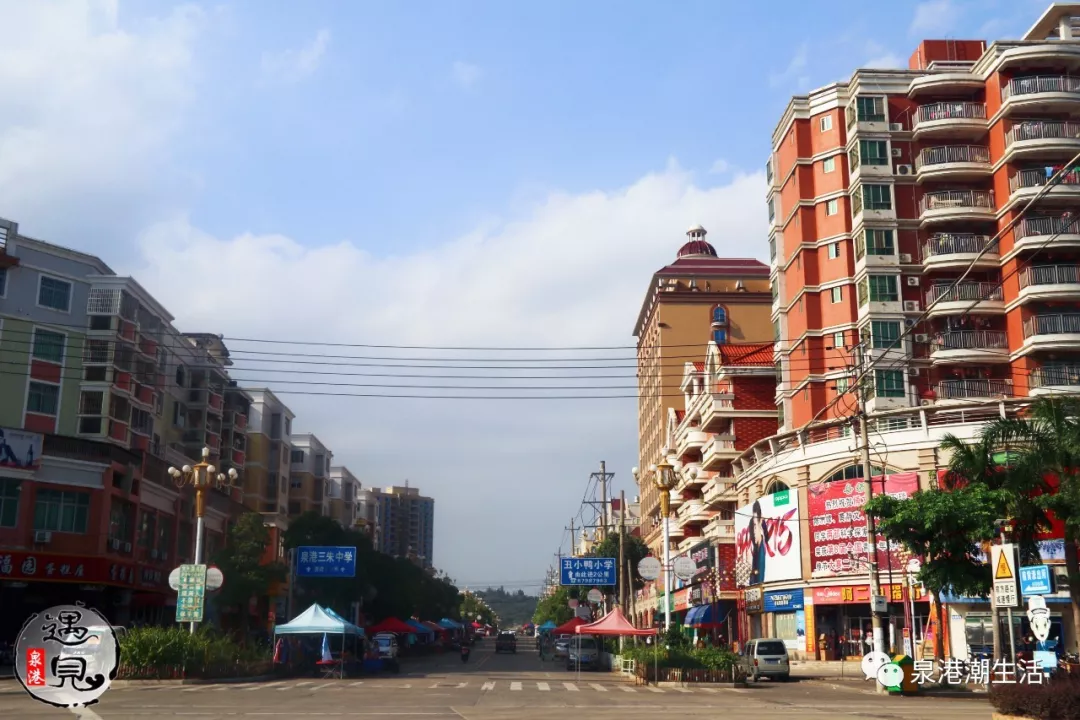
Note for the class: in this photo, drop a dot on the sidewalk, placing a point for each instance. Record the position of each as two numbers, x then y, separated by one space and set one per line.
826 669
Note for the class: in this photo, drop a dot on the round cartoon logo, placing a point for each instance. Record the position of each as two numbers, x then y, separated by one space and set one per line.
67 656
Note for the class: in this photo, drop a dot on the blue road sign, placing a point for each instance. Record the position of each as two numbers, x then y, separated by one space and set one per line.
587 571
1036 580
326 562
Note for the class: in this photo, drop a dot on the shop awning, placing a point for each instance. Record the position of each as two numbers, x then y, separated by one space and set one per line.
706 615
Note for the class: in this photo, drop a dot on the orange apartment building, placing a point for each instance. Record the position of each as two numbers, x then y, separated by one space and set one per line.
698 299
883 189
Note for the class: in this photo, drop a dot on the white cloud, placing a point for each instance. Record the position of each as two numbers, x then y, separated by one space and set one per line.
91 111
466 74
295 64
719 167
935 18
796 70
881 58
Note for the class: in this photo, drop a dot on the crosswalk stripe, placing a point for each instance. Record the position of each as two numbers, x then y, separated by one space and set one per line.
461 685
305 682
654 689
709 690
326 685
257 686
432 687
487 687
571 687
543 686
626 688
356 684
197 688
682 690
515 686
598 688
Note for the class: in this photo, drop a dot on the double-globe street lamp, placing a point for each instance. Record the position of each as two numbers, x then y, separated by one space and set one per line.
663 474
201 476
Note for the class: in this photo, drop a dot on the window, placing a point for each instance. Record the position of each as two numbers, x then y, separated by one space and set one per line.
719 337
828 165
768 173
884 334
842 385
832 207
834 250
853 472
180 376
870 109
772 248
48 346
9 502
875 242
883 288
61 511
148 530
772 211
3 281
288 426
297 456
874 152
54 294
91 402
43 399
889 383
877 197
825 123
837 294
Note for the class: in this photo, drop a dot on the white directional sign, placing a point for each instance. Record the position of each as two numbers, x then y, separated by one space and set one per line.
684 568
1003 568
649 568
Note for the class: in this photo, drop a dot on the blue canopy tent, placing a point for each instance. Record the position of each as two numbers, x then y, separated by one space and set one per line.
450 624
317 620
549 625
423 630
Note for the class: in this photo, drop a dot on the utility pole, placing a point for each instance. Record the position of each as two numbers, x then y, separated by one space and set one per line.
871 531
573 540
603 478
624 580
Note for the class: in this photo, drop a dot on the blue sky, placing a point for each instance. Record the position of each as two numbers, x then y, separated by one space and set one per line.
427 173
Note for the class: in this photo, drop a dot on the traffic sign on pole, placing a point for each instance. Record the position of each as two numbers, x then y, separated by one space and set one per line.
587 571
1004 566
191 594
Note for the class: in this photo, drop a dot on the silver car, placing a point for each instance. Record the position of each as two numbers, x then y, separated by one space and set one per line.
765 657
583 652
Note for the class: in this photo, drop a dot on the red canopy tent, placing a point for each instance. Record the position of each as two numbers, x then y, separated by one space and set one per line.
569 627
392 625
614 623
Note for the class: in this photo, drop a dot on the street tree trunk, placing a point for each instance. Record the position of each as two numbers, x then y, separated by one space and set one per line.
1072 564
939 629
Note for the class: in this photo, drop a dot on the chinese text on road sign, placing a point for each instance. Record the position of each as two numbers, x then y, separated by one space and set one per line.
587 571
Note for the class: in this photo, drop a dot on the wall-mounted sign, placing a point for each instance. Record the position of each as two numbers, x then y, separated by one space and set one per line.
783 600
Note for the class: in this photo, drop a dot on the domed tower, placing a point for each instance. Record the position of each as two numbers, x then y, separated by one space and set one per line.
696 245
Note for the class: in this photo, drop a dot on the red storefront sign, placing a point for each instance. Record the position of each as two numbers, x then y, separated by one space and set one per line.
855 594
681 600
51 567
838 524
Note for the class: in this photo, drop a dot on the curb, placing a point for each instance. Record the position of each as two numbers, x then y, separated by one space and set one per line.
697 684
191 681
969 694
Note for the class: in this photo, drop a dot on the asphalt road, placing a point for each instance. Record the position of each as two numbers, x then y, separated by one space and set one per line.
492 687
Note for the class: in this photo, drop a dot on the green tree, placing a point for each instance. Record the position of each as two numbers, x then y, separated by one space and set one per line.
241 565
1044 443
635 549
555 607
945 528
473 606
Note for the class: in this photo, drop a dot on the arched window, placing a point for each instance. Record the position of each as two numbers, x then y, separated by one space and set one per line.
719 315
776 486
851 472
719 337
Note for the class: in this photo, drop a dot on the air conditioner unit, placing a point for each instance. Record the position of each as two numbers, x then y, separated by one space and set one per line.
913 281
905 257
896 127
1059 577
903 170
926 403
911 306
913 372
922 337
42 537
127 547
896 152
909 323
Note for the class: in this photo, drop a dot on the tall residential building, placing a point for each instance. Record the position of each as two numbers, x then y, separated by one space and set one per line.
884 188
698 298
309 476
266 482
367 514
883 191
406 523
344 489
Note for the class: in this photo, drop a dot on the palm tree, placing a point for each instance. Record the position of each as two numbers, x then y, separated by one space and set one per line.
1043 442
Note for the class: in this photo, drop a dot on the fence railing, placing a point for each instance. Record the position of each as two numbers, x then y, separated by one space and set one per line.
950 111
953 244
952 154
1055 375
1042 130
980 199
649 674
1060 324
973 291
1050 275
1041 84
973 388
1037 177
970 340
1039 226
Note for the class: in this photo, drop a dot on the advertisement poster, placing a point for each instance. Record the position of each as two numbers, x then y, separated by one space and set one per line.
767 540
18 449
838 543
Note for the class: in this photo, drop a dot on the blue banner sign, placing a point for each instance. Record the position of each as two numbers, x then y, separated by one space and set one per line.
326 562
783 600
1036 580
587 571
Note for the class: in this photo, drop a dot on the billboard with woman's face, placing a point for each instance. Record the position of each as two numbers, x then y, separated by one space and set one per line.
767 545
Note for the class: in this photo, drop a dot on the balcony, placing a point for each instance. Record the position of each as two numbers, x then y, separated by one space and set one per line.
1026 184
953 162
1054 378
970 346
716 411
692 511
690 441
1052 332
1050 282
1030 140
719 450
959 120
957 81
1041 94
973 388
959 250
676 501
719 527
687 543
1036 232
210 398
968 297
957 205
717 489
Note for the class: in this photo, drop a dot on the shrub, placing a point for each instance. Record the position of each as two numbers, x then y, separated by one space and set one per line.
1056 699
173 652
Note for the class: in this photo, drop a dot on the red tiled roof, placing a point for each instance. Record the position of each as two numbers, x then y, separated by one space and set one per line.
746 355
699 366
680 414
712 266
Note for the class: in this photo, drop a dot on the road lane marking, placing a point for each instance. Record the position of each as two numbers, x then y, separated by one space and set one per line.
626 688
654 689
682 690
487 687
571 687
709 690
515 686
324 686
259 686
598 688
461 685
543 686
305 682
356 684
433 687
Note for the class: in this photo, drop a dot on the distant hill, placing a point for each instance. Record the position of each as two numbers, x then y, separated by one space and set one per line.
513 608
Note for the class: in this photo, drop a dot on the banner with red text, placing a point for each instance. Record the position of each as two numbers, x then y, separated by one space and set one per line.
767 546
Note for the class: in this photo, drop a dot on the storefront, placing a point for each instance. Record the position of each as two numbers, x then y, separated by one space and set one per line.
750 612
787 617
841 613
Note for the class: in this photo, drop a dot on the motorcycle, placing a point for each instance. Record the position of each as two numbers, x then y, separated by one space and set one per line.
464 652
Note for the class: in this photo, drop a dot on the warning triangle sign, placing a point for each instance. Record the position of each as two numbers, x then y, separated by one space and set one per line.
1003 570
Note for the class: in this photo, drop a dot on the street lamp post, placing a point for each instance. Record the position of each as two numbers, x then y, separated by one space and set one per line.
664 473
201 476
